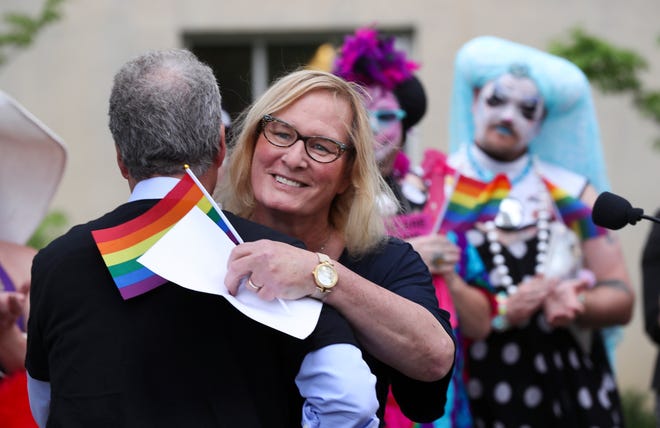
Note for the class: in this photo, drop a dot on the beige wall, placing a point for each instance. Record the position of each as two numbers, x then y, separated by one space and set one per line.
65 79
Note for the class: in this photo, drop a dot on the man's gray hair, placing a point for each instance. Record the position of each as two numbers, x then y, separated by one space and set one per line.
165 112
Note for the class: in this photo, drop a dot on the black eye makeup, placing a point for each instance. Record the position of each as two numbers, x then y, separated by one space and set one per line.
528 108
495 100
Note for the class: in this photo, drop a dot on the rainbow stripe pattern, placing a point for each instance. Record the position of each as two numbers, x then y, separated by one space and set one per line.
122 245
574 213
474 201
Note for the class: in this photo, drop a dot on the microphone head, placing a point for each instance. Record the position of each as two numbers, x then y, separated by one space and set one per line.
613 212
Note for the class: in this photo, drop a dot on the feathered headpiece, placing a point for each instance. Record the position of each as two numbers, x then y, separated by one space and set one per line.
370 59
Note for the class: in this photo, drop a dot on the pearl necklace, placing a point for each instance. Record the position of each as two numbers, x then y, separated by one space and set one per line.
495 248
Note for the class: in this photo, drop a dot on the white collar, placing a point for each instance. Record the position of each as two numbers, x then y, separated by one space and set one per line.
511 169
153 188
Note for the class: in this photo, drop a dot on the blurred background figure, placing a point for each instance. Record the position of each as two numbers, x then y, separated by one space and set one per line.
32 163
396 101
651 297
524 139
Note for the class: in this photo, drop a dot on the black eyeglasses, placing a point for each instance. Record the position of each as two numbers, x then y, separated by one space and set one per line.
281 134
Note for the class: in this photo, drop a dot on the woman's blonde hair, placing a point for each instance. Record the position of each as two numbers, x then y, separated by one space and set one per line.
355 213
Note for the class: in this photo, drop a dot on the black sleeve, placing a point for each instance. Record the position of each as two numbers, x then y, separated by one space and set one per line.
332 328
401 270
421 401
651 283
36 361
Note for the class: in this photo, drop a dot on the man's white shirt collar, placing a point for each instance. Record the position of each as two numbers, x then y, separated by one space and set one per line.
153 188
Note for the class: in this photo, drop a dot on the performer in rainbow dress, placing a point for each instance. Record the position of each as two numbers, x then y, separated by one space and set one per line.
524 142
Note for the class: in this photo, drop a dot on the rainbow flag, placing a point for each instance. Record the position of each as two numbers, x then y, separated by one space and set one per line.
474 201
120 246
574 213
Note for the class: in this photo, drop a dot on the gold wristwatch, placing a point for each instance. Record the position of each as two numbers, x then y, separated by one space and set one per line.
325 275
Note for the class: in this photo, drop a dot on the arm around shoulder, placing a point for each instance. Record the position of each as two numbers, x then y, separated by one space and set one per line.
394 313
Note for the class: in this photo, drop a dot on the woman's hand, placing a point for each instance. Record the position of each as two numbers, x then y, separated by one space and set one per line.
271 269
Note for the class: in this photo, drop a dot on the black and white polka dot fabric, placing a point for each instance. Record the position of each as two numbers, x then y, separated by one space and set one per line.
535 375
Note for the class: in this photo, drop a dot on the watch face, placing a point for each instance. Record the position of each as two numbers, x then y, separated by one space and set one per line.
326 275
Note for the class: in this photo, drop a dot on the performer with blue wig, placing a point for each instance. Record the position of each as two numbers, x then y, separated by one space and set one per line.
524 141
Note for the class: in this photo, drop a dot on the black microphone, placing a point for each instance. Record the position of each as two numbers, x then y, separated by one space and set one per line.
613 212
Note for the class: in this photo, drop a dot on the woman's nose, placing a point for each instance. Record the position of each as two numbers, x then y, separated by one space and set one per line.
295 154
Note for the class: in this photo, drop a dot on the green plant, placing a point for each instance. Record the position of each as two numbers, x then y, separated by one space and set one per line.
611 69
636 412
51 227
22 29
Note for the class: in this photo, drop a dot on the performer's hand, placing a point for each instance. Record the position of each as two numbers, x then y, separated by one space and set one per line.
12 306
528 298
564 304
438 252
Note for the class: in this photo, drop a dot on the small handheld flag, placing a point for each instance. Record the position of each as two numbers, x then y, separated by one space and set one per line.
473 201
122 245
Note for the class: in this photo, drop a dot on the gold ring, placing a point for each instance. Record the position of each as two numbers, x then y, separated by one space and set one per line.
253 285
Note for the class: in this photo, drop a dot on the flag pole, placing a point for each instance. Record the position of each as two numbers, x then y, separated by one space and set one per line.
229 225
212 201
445 204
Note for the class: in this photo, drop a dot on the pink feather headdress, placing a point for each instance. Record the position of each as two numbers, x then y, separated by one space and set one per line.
370 59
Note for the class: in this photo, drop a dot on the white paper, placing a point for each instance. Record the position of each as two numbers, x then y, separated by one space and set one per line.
194 254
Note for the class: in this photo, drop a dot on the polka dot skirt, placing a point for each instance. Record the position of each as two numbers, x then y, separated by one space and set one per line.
538 376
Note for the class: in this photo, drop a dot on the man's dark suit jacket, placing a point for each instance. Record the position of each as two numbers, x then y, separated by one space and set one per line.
168 358
651 284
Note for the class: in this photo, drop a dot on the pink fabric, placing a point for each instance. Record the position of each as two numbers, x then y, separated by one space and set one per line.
409 225
401 165
393 416
444 299
435 170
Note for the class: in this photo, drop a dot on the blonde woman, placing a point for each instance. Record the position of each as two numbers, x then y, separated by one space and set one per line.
303 164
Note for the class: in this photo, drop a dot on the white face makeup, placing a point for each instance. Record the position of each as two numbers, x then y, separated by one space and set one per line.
507 110
387 130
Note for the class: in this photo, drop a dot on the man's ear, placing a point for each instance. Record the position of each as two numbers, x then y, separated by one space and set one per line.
120 163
